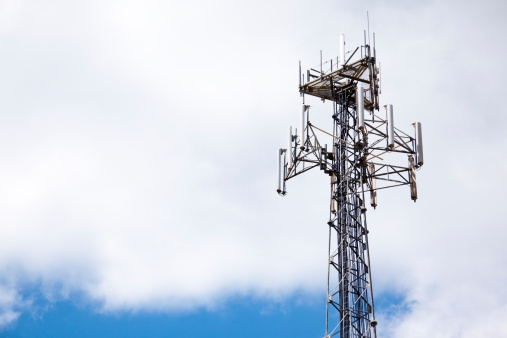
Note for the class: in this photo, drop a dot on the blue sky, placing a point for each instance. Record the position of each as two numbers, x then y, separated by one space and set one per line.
138 176
245 316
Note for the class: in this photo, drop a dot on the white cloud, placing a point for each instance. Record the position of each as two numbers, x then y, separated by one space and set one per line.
137 164
10 302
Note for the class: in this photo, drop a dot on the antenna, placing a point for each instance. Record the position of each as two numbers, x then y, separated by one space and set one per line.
360 106
303 126
342 51
419 143
352 162
368 19
300 75
289 150
390 126
321 63
374 53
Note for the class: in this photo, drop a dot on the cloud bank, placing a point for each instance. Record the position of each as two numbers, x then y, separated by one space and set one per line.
137 160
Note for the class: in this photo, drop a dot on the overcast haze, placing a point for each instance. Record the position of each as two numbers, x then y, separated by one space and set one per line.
137 158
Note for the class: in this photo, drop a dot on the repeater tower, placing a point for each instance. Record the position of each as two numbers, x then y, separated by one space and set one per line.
368 153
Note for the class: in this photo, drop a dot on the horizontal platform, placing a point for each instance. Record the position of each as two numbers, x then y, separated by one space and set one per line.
325 86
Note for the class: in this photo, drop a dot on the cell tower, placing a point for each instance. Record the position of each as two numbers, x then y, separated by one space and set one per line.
364 138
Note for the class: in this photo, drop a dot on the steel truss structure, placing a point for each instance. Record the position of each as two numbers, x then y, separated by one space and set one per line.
355 163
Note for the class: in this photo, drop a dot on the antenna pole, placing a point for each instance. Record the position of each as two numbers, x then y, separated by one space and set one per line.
321 63
299 73
368 19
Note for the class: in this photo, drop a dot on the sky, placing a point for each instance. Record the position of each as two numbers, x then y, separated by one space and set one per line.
138 172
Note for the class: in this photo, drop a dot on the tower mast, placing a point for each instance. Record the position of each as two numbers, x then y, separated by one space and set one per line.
356 166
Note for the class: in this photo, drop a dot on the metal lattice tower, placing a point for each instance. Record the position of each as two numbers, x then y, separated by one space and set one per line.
356 166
